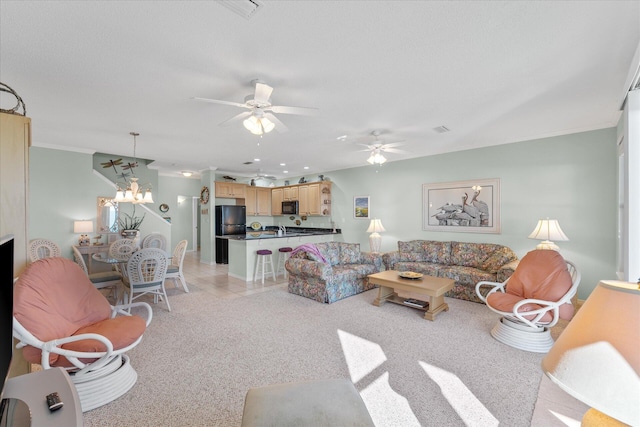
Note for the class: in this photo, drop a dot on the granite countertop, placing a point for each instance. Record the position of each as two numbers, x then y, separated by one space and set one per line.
272 233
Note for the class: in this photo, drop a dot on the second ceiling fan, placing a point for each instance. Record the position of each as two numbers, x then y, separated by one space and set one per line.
260 118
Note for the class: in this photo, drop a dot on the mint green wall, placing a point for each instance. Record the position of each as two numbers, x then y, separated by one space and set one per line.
570 178
63 187
178 194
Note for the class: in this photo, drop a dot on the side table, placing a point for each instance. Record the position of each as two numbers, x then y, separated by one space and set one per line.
33 388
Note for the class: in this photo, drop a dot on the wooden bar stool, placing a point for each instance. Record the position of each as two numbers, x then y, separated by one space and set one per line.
264 259
283 255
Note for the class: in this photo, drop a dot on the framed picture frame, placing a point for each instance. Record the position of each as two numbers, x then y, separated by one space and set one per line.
462 206
361 207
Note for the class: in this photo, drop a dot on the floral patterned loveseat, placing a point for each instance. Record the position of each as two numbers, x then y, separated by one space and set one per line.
466 263
343 274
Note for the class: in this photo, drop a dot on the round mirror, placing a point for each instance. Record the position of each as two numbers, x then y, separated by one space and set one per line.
107 217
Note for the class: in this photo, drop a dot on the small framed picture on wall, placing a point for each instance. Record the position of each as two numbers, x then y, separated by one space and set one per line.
361 207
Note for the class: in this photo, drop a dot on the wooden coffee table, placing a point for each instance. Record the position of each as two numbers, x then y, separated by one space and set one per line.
396 289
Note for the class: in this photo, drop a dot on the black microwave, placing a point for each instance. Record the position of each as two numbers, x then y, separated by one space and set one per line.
290 208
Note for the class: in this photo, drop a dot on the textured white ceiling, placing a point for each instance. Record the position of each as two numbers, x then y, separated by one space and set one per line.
493 72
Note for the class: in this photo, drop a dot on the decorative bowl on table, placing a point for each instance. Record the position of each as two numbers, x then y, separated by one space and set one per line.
410 275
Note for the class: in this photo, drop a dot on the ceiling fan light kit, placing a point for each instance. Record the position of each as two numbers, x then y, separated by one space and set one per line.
261 119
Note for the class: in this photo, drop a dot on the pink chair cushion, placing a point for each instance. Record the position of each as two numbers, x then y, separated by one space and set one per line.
541 274
54 298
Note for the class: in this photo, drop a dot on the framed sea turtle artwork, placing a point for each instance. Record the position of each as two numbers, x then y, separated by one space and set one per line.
462 206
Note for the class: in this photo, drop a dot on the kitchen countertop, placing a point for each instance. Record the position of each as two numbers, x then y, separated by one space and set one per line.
272 233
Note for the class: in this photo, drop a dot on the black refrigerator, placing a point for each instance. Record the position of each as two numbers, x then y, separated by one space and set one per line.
230 220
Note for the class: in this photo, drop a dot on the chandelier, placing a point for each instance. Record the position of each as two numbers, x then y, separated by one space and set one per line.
257 124
376 157
133 191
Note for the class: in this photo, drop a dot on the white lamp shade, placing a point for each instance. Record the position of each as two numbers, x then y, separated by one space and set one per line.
548 229
596 358
82 227
375 226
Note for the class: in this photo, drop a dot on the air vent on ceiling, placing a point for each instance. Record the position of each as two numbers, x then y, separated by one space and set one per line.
247 163
441 129
244 8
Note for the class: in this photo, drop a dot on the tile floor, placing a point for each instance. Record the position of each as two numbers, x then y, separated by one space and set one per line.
214 279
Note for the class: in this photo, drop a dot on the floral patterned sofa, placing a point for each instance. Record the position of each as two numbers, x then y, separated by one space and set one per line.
466 263
343 274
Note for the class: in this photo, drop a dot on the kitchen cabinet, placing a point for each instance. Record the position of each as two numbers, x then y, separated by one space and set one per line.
230 190
276 201
290 194
312 201
258 201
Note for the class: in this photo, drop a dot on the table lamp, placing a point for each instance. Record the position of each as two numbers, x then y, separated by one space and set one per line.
596 358
547 230
375 239
83 227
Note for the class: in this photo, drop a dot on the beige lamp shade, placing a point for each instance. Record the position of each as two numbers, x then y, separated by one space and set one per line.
548 230
83 227
375 226
596 359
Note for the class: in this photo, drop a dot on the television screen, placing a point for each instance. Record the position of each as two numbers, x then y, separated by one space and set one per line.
6 306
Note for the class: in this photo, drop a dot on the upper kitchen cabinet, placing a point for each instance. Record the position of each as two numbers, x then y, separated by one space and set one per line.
276 201
258 201
315 199
291 194
230 190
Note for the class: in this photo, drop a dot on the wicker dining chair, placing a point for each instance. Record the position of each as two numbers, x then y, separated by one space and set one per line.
42 248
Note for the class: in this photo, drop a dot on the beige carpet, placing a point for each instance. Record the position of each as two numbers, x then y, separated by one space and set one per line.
196 363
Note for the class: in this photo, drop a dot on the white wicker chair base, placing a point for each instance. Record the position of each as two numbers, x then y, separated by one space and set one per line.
522 337
106 388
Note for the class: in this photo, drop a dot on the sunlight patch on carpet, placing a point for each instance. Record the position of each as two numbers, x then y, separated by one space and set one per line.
362 356
386 407
468 407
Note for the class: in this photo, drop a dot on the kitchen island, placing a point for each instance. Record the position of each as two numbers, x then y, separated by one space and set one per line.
243 247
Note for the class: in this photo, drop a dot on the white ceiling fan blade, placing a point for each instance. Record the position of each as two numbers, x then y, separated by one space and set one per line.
394 150
302 111
394 144
280 127
235 118
263 93
219 101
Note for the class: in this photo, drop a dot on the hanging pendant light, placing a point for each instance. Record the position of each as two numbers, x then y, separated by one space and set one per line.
133 192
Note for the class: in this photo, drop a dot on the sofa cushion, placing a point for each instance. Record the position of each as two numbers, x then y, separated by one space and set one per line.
468 276
506 302
419 267
349 253
330 251
471 254
502 256
437 252
411 251
355 270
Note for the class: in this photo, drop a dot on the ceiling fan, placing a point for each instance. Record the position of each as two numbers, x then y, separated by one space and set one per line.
260 118
377 147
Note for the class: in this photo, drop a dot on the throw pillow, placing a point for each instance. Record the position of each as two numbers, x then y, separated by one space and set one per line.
499 258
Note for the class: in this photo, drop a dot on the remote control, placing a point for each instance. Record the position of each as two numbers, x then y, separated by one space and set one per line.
54 402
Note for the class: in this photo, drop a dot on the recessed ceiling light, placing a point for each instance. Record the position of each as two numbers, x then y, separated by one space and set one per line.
306 167
341 137
285 171
186 173
283 164
256 160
